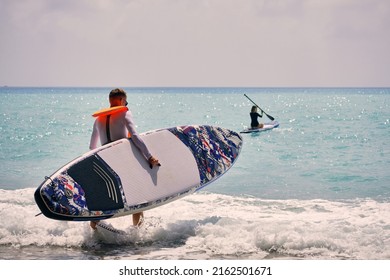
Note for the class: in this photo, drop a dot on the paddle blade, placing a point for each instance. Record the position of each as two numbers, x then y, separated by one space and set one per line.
270 117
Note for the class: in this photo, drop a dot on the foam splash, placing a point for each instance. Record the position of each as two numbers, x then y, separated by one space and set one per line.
205 226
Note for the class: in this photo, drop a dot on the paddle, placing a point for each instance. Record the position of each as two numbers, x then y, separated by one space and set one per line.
270 117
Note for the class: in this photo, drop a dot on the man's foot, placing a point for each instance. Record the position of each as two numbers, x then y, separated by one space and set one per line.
93 224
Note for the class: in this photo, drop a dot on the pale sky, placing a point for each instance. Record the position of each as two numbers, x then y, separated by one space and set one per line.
195 43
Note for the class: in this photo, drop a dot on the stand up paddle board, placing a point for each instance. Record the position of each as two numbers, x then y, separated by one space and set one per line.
115 179
267 126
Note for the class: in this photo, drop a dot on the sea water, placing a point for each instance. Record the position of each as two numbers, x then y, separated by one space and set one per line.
317 187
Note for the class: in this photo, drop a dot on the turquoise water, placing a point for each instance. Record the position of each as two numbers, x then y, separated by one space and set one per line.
299 191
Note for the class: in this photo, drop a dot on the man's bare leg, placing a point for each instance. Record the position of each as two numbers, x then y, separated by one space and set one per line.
138 219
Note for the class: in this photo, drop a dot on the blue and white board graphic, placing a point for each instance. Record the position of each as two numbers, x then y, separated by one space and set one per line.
116 180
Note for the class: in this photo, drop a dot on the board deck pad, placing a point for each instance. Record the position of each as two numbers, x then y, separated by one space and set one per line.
178 168
116 179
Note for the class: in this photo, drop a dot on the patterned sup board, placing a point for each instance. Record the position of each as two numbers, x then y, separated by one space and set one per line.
267 126
115 179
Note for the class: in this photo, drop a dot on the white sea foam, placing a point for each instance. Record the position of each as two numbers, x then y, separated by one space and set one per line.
206 226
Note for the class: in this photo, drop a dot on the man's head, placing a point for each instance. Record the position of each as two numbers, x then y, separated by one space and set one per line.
118 97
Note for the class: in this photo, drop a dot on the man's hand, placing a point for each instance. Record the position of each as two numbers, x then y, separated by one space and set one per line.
153 162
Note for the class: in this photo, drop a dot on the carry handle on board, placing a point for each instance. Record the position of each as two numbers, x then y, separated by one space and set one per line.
270 117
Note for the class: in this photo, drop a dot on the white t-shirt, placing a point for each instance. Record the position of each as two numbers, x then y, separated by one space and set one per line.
120 124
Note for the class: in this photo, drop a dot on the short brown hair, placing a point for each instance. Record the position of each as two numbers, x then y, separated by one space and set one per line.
118 92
